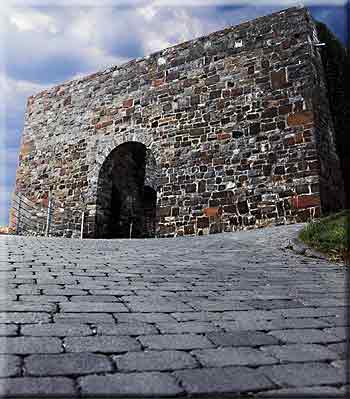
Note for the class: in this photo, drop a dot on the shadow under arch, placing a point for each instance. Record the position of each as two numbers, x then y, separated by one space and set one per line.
127 193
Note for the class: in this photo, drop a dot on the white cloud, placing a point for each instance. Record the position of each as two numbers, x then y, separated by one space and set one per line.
148 12
16 93
33 21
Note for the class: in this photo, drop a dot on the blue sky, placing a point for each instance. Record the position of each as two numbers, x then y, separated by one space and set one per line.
43 43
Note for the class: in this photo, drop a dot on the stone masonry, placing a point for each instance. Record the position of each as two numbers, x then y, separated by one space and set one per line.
226 132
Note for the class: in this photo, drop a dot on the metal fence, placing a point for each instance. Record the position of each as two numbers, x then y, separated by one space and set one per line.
43 219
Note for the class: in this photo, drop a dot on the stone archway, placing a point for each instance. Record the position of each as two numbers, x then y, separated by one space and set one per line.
127 193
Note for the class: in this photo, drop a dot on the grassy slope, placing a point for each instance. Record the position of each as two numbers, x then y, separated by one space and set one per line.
329 235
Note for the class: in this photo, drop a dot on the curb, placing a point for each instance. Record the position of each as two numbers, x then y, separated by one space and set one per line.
300 248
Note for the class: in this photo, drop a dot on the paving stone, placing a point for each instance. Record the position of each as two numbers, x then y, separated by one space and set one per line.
143 317
83 318
158 306
155 361
324 302
126 329
137 384
305 336
340 348
27 290
45 386
243 325
335 321
110 292
187 327
311 312
311 392
26 307
342 364
345 390
222 380
303 374
252 315
198 316
340 332
56 330
280 324
24 317
299 353
175 341
28 345
219 306
274 304
43 298
93 307
63 291
8 330
67 364
94 298
10 365
242 338
102 343
223 357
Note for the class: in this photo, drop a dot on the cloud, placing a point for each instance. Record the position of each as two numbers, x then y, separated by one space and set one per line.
64 43
33 21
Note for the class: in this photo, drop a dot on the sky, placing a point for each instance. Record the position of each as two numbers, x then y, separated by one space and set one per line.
44 43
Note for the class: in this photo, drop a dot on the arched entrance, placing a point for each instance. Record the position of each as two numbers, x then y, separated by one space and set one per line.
125 205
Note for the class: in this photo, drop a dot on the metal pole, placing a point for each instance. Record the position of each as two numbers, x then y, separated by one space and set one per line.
19 213
48 217
82 225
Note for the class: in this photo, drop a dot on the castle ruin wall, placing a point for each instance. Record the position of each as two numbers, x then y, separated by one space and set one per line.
236 123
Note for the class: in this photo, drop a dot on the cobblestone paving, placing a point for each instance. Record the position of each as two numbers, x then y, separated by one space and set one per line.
227 313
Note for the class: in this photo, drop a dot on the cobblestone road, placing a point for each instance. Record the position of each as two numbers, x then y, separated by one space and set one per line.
234 312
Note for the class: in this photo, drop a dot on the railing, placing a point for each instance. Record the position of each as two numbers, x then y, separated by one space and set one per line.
43 219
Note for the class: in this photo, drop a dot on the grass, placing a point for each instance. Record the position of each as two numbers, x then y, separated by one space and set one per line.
330 236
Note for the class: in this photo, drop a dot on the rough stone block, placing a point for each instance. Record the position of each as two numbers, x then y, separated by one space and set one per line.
154 361
300 353
305 336
175 341
131 384
242 338
223 357
10 366
222 380
300 118
66 364
104 344
28 345
279 78
45 386
303 374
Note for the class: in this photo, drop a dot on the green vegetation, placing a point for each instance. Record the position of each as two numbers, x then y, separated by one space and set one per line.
329 235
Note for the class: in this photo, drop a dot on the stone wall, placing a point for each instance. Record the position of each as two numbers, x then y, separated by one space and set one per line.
331 182
236 133
336 64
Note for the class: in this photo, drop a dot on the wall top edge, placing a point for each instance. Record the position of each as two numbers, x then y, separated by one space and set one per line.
300 9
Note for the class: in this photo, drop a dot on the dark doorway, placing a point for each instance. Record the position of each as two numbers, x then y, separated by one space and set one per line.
149 214
125 206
